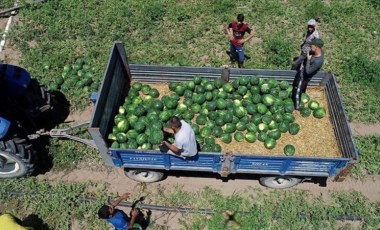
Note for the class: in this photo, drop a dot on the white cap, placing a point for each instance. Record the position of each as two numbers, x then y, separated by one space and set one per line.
312 22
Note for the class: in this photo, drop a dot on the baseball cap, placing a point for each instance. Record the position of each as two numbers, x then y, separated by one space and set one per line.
317 42
312 22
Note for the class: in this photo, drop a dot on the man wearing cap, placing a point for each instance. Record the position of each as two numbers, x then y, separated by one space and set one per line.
313 63
236 31
310 35
185 144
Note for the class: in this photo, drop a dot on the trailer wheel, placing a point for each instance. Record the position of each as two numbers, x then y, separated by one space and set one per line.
279 181
16 159
143 175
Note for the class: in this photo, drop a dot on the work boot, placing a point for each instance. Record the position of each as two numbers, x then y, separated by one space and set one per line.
241 64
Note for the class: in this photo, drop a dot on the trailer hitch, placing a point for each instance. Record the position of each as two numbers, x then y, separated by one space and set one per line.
65 133
226 160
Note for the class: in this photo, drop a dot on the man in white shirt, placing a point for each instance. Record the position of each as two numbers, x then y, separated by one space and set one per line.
185 144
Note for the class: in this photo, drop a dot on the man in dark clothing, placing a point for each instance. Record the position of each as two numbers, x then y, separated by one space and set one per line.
313 64
236 31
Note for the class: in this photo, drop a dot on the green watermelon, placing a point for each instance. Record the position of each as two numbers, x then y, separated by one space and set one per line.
289 150
226 138
250 137
319 113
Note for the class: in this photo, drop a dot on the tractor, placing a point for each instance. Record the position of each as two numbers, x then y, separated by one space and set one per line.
26 107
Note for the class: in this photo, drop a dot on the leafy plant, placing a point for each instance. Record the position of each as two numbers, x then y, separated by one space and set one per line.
279 50
369 163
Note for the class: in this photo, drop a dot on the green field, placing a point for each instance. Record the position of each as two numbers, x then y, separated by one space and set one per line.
191 33
57 33
58 204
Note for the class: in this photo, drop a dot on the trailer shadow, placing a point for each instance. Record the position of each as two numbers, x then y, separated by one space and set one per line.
319 181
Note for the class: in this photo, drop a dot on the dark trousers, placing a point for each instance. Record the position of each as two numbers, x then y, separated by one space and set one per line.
299 87
237 54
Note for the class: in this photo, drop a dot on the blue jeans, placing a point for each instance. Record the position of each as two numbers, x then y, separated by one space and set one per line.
237 53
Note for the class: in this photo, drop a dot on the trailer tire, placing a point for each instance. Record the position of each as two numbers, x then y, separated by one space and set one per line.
279 181
17 157
144 175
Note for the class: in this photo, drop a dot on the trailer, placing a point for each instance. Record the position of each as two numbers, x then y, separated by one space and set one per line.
151 166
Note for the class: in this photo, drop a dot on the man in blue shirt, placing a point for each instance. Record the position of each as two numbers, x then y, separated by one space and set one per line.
117 217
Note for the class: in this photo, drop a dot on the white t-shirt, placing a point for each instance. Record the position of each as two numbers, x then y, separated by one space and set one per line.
185 140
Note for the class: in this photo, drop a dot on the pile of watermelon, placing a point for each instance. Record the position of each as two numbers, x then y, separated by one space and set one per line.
248 109
77 78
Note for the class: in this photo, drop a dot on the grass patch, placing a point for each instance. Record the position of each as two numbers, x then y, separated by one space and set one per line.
369 157
57 204
175 33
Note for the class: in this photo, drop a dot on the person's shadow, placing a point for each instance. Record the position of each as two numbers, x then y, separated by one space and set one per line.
35 222
142 219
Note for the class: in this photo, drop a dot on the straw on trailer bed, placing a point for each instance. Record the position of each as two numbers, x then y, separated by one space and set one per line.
316 137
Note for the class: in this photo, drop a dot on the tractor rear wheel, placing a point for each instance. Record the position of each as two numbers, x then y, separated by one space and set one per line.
17 158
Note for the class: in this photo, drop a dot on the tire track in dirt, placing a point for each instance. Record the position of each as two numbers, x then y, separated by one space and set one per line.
119 183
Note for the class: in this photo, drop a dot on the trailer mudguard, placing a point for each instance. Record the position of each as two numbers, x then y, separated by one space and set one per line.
4 126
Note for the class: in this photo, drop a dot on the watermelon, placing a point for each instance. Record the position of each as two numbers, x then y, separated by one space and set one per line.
142 138
262 136
205 131
305 98
154 93
270 143
294 128
156 137
139 126
190 85
217 131
240 112
145 89
241 126
306 112
218 83
313 105
131 144
201 119
230 128
115 145
239 136
228 88
289 150
319 113
254 80
226 138
197 80
261 108
123 125
132 134
268 99
251 127
195 128
283 127
199 89
274 134
250 137
121 137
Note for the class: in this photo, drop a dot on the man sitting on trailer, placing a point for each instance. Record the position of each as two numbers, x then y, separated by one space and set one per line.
185 144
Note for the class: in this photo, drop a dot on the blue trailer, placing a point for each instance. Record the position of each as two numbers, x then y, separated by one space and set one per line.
273 171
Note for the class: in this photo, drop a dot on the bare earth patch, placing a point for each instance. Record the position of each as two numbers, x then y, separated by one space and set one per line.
361 129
